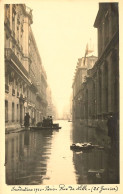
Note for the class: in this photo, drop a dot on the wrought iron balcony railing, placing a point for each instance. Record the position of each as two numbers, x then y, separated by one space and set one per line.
10 56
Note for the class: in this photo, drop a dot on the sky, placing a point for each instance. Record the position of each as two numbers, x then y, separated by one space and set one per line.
61 30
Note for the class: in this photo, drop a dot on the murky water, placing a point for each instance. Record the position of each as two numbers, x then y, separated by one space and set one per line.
44 157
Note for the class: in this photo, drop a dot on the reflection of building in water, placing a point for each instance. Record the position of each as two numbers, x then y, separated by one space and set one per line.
92 167
96 90
96 167
26 159
25 77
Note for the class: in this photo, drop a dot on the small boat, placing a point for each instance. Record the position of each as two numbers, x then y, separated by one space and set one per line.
54 126
81 146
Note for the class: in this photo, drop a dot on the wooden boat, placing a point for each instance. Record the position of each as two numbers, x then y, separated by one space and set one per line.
53 127
84 146
81 146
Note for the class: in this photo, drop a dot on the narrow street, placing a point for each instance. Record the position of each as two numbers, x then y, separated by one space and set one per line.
61 102
44 157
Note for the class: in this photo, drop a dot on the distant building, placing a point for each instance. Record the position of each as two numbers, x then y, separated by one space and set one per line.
25 78
101 89
84 64
51 109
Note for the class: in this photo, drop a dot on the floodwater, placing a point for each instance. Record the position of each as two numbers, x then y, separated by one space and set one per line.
44 157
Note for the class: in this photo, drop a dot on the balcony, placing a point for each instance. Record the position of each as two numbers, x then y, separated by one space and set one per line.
23 98
38 95
34 83
11 57
13 92
6 88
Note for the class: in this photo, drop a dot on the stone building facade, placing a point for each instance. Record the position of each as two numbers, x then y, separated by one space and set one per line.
106 71
99 94
102 82
84 64
25 77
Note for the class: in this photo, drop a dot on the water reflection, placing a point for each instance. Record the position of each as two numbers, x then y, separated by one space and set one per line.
44 157
95 166
27 154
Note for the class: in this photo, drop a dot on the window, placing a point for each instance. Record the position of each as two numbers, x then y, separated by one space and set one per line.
6 84
17 112
18 87
6 111
115 20
8 10
13 22
6 79
7 42
13 87
12 111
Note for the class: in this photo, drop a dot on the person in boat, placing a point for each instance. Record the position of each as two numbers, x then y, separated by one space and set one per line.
48 121
44 122
26 120
51 121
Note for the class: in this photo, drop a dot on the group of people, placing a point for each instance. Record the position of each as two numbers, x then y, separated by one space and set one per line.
47 122
112 124
27 120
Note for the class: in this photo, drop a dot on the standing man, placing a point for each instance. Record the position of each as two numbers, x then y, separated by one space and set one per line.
26 120
112 130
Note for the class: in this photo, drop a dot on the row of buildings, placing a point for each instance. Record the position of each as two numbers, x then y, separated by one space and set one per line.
25 76
96 80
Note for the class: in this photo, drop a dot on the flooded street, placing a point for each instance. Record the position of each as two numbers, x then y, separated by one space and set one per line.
45 157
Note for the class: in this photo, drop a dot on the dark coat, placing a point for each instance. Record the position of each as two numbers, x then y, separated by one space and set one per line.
26 120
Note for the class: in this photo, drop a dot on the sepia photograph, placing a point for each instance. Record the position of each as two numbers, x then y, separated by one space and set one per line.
61 101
